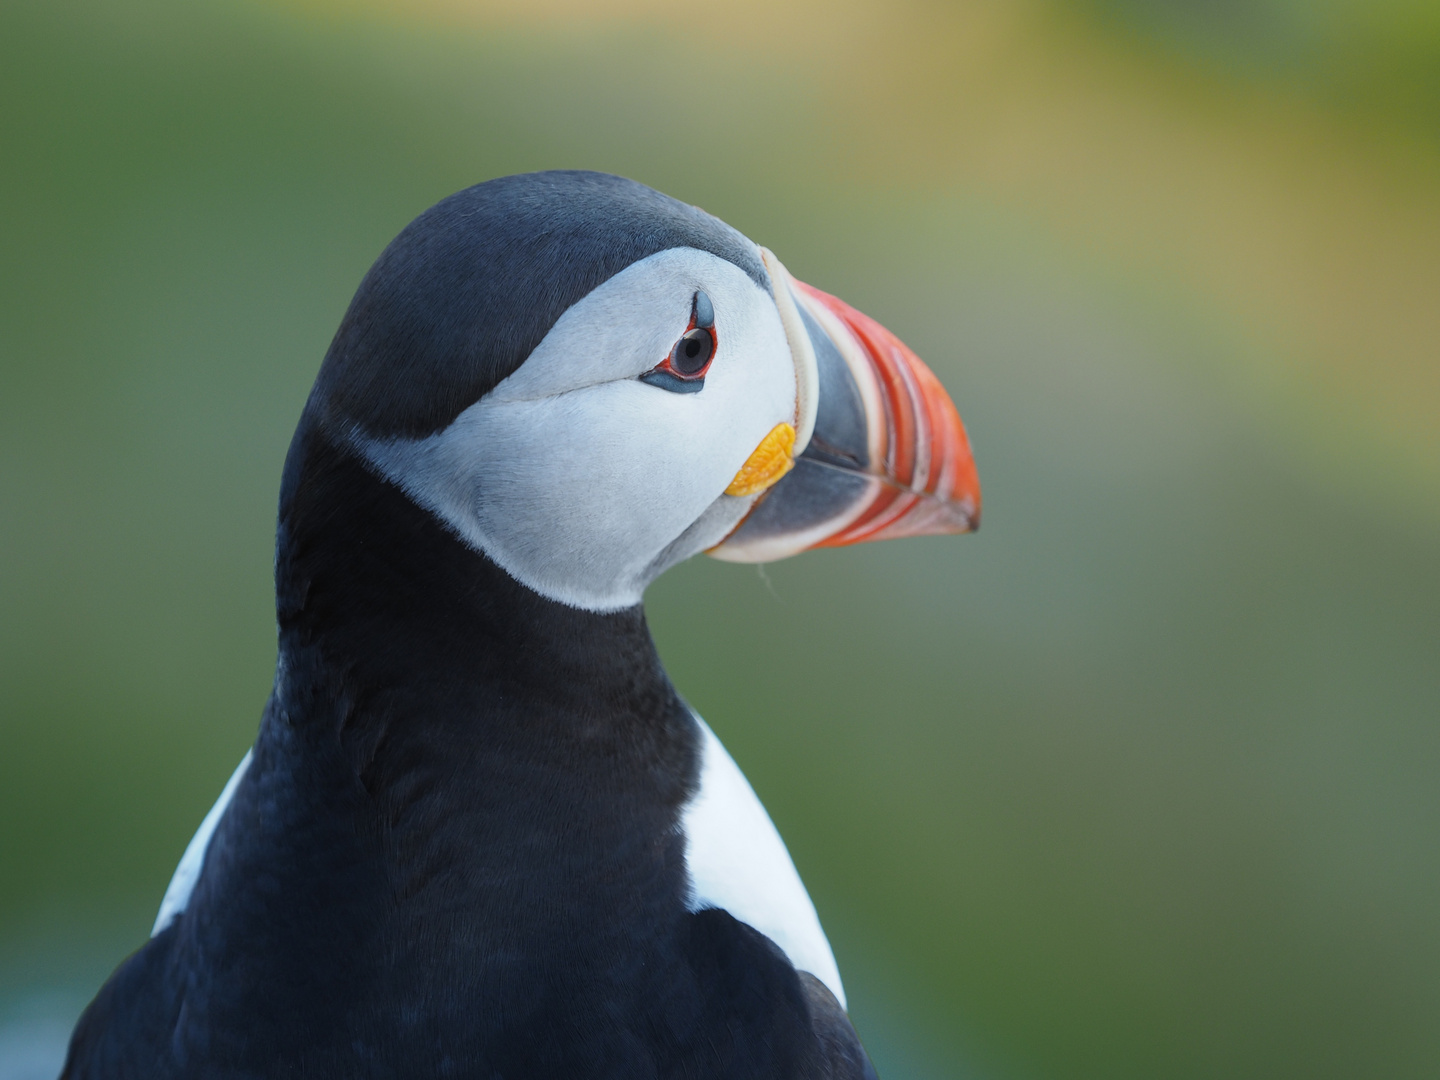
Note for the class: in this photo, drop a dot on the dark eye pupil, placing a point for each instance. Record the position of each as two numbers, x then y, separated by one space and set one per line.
692 352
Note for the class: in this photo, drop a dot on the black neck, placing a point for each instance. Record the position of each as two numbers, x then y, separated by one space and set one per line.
458 846
397 605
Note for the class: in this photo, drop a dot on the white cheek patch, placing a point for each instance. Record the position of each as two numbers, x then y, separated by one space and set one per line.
576 477
737 862
626 324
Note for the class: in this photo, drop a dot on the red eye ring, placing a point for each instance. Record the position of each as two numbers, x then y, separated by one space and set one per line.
683 371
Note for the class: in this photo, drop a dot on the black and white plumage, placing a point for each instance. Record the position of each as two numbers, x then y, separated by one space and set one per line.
479 833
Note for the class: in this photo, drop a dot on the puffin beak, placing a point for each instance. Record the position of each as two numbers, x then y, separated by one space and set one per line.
879 448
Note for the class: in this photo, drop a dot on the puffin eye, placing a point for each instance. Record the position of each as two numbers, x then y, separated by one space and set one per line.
683 371
692 353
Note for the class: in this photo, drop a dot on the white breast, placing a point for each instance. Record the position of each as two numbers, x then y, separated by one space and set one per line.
182 884
738 862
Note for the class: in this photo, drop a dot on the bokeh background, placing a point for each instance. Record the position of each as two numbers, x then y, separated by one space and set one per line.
1141 781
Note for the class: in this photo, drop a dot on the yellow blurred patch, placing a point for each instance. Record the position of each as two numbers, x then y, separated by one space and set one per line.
772 459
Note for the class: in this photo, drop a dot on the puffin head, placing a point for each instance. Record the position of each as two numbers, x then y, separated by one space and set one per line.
589 381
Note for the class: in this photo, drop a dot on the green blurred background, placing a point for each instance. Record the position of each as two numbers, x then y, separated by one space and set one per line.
1141 781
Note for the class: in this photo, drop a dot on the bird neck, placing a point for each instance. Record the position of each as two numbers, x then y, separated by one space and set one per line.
416 636
442 747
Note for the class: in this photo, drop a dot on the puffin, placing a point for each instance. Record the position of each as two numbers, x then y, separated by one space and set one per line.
479 833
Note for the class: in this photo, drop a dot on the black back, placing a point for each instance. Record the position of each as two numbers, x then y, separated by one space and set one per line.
456 851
